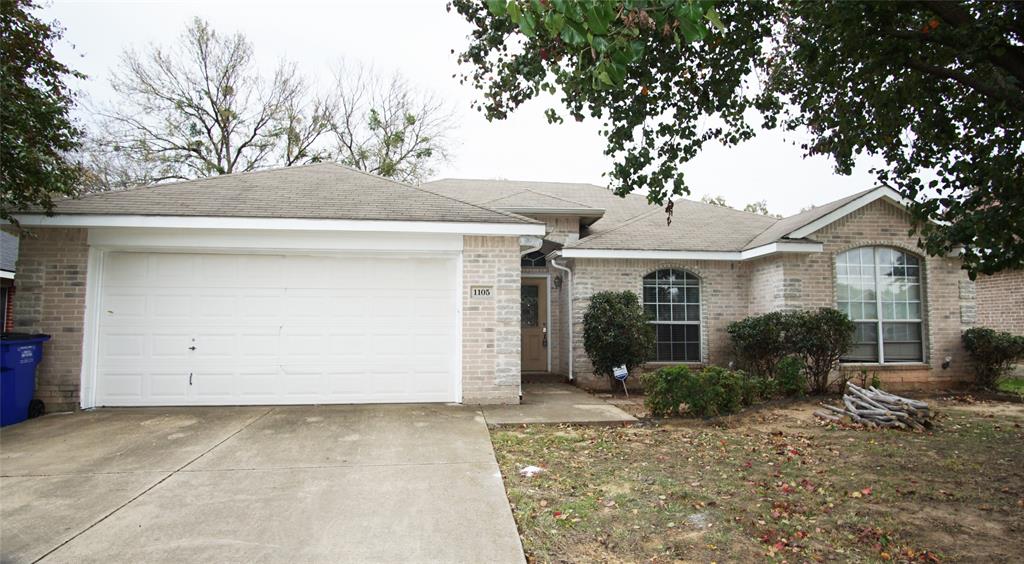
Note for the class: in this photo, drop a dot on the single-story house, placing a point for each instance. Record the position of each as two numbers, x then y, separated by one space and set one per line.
324 284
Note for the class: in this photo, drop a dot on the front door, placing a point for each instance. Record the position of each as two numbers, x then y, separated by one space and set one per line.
534 319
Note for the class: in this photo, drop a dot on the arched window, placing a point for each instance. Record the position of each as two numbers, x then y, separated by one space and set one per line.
672 302
880 289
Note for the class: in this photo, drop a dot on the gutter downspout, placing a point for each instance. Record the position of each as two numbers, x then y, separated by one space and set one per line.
568 281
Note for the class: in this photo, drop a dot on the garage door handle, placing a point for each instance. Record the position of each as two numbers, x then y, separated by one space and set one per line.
189 378
192 348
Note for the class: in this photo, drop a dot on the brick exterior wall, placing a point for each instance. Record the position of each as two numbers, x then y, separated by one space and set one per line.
811 283
1000 301
731 291
724 288
51 271
490 327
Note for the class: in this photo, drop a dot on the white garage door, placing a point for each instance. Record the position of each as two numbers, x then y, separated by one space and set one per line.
219 329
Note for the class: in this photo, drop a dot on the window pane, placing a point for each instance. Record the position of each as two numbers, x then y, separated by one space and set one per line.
529 305
902 342
865 347
693 313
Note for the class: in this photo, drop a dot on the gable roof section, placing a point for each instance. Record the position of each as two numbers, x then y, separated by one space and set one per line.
695 227
318 191
616 209
714 232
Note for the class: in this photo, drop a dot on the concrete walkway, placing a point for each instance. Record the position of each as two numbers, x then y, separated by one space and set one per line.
556 403
255 484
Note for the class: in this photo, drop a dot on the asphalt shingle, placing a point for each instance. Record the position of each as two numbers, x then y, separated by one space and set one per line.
317 191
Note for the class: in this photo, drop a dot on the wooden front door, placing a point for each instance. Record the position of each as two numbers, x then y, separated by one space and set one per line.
534 319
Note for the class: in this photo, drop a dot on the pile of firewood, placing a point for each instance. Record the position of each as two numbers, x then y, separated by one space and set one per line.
872 407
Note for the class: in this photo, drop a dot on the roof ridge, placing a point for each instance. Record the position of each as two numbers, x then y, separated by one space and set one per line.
560 198
616 228
190 180
505 196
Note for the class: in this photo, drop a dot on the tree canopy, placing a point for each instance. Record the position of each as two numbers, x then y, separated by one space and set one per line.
37 133
200 107
933 88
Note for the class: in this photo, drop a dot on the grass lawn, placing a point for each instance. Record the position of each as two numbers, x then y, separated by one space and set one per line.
771 485
1012 385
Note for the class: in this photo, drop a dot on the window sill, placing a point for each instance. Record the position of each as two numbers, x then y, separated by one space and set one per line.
664 363
857 366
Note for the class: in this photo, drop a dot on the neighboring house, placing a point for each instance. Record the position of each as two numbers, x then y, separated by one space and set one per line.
323 284
8 259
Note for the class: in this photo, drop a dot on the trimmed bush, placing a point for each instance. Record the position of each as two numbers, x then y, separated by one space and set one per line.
994 354
759 342
709 392
819 338
789 377
616 332
663 389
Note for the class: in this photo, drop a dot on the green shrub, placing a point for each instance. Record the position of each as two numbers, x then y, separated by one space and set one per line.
759 342
821 337
994 353
709 392
789 377
663 389
616 332
818 337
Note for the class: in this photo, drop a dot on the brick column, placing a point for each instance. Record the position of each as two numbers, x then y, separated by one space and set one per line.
51 273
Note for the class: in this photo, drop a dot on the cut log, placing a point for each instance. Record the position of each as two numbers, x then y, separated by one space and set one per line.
872 408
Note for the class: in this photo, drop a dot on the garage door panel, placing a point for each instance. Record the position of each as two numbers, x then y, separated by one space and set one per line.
170 346
275 329
166 385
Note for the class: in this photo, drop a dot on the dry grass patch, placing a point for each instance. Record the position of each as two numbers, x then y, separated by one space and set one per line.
771 485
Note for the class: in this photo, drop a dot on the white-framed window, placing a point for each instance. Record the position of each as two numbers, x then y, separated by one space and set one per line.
672 302
880 289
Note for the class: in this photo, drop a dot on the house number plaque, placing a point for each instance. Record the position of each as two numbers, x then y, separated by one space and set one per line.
484 292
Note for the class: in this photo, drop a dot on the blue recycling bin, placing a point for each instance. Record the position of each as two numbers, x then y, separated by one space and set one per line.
20 353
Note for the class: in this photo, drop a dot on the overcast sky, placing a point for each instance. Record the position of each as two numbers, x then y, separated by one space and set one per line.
416 39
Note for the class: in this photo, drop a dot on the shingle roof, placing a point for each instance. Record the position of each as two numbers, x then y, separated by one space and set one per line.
317 191
695 227
617 209
631 223
530 199
787 225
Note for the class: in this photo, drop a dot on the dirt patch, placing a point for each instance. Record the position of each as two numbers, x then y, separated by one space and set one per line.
770 484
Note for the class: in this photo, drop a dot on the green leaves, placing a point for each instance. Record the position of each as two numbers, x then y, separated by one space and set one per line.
940 106
38 132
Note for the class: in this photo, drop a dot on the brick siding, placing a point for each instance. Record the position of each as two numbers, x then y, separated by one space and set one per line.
733 290
724 290
490 327
1000 301
51 271
812 283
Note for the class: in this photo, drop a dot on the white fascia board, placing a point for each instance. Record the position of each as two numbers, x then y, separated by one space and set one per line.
654 255
782 247
771 248
259 223
847 209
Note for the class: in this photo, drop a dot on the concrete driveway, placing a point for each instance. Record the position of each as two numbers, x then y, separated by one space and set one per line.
255 484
